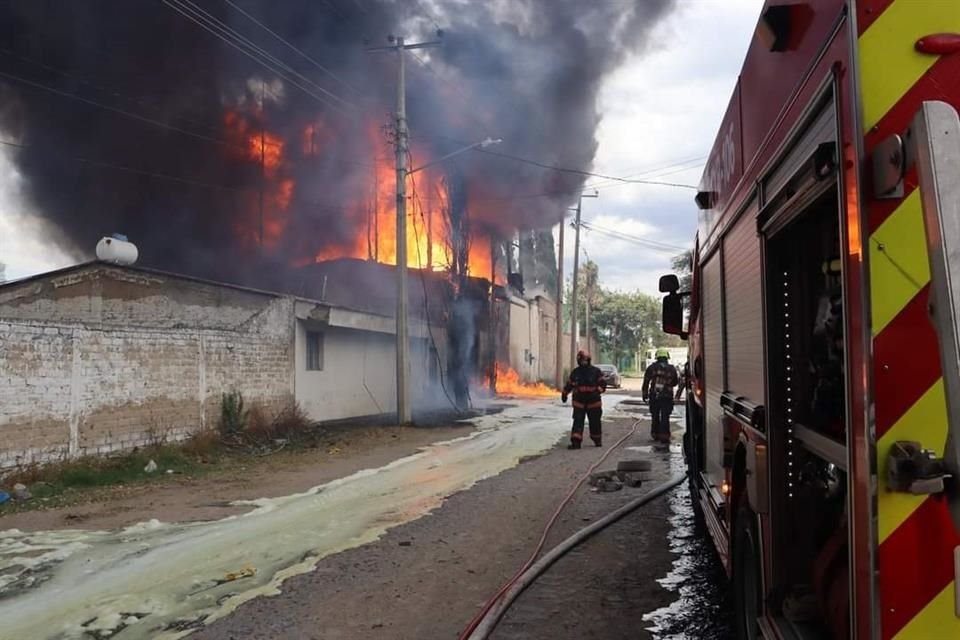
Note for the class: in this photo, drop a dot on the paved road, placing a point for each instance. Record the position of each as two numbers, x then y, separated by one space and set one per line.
354 558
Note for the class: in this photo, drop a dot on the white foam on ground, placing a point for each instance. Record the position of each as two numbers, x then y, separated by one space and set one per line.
170 571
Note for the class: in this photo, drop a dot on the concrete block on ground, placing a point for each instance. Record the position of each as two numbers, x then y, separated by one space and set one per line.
633 466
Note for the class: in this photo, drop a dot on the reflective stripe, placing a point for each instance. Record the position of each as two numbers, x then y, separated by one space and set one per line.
890 64
576 435
915 534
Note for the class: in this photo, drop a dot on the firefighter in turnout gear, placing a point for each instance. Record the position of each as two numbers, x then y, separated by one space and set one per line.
658 382
586 383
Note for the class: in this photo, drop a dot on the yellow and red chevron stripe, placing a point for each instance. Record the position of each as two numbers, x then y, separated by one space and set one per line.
916 535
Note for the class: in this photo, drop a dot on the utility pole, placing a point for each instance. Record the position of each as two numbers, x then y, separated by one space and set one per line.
559 376
493 315
263 152
404 414
589 297
574 334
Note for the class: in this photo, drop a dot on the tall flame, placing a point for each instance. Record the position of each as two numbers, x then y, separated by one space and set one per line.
431 241
264 219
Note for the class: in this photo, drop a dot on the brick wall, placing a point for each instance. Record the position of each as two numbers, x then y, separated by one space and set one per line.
104 358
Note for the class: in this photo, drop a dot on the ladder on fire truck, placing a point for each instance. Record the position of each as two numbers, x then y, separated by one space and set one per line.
932 146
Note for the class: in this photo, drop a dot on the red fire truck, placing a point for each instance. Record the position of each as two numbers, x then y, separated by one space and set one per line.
823 419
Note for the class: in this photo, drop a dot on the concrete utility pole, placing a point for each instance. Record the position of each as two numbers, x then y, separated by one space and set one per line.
559 376
589 297
574 334
404 414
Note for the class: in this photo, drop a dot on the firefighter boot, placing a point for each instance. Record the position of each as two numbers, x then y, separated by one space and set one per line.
574 444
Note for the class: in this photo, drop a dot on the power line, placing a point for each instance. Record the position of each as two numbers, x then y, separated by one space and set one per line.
298 51
253 51
619 235
100 87
428 14
129 114
142 172
630 237
249 48
581 172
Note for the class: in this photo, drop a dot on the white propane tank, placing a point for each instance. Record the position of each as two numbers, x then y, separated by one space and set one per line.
117 250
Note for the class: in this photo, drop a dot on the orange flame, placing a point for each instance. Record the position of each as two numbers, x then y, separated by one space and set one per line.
509 384
265 214
429 244
265 211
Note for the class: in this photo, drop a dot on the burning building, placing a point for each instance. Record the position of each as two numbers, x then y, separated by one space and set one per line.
251 142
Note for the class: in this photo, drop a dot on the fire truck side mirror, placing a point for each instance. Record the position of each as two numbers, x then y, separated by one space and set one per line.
669 284
673 315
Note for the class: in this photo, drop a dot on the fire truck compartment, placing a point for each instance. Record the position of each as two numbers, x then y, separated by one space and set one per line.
807 418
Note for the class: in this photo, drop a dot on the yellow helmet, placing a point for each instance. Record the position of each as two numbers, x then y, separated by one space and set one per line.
663 353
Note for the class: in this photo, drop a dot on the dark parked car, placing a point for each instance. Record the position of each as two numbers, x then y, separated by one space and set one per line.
610 374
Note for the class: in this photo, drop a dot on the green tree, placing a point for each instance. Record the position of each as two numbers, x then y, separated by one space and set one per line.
625 322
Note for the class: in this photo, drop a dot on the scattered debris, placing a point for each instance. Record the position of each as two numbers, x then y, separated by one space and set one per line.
151 467
598 476
20 492
405 543
608 486
4 497
630 479
246 572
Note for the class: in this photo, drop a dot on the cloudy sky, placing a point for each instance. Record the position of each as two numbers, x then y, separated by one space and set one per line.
660 112
661 109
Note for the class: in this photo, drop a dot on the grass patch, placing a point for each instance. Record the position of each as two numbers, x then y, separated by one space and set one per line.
242 434
53 483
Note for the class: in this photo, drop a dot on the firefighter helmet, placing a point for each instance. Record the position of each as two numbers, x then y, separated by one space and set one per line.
583 356
663 353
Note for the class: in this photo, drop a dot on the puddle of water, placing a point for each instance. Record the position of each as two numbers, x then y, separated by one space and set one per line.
161 580
701 610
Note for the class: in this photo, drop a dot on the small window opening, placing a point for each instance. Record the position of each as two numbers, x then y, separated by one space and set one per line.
314 351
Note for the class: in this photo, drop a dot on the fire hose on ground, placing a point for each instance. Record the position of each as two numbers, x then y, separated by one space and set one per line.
490 615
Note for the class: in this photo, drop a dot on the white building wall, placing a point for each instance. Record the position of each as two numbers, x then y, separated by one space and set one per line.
525 339
359 374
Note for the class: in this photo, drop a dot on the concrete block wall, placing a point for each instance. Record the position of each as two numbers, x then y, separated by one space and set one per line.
102 361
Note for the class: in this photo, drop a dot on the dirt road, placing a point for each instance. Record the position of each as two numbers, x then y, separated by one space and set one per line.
358 557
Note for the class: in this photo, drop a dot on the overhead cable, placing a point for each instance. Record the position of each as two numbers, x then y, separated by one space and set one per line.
129 114
256 53
581 172
291 46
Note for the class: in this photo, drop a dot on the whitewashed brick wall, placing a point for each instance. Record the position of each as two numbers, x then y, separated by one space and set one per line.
108 359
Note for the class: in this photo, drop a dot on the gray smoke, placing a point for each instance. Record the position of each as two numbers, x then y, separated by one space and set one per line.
107 96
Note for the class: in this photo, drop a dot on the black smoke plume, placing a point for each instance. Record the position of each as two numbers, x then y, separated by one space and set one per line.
128 117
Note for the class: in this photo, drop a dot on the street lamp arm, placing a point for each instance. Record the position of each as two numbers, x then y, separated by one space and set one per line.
483 143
